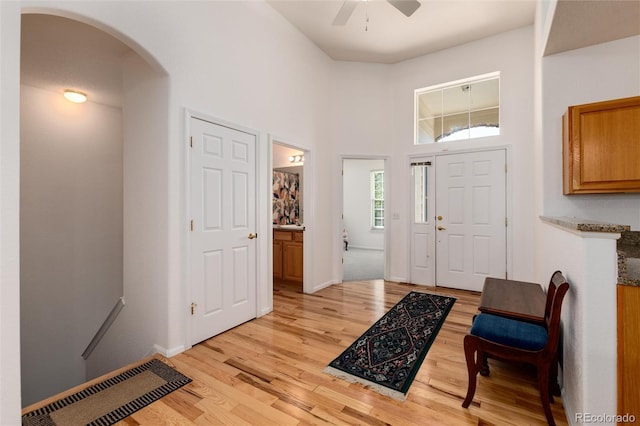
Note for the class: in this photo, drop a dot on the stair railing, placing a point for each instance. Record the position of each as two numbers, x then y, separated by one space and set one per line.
104 327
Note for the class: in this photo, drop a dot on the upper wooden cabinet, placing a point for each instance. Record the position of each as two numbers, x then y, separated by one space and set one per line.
601 147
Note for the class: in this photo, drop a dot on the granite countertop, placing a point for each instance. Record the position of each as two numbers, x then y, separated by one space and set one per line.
628 245
289 227
629 258
585 225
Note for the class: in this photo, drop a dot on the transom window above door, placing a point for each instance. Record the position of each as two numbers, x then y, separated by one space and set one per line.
460 110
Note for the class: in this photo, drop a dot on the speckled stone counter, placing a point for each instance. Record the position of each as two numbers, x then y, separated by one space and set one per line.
584 225
629 258
628 245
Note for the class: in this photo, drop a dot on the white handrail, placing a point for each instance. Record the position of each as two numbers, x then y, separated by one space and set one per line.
103 328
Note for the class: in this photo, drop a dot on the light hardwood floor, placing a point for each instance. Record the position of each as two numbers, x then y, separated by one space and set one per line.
269 371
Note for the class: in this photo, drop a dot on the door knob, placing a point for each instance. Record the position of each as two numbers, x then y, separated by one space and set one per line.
252 236
441 228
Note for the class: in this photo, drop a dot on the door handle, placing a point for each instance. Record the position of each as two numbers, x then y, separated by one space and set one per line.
252 236
441 228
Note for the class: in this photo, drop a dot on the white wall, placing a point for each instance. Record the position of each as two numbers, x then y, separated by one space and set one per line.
70 234
270 78
591 74
361 118
356 207
274 80
589 262
511 53
141 323
372 112
9 213
601 72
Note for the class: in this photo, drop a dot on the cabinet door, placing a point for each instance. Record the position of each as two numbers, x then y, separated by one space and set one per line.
601 145
628 356
277 259
292 264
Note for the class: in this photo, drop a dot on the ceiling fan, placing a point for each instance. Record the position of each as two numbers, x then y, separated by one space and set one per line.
407 7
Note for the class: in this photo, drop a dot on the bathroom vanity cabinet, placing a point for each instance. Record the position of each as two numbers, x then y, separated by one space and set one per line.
288 254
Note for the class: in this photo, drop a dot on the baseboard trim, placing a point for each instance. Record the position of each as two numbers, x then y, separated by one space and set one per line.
568 410
169 352
265 311
323 285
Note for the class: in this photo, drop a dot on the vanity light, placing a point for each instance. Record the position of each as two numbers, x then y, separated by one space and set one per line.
75 96
296 159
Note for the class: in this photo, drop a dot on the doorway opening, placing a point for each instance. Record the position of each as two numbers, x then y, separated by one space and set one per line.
287 217
363 219
91 199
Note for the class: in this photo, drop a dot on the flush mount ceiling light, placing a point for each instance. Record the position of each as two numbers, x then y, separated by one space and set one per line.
75 96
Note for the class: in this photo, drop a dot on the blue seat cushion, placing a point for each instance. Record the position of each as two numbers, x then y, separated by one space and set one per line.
509 332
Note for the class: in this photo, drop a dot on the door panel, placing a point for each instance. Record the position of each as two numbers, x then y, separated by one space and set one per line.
213 278
223 209
456 253
241 279
212 184
471 234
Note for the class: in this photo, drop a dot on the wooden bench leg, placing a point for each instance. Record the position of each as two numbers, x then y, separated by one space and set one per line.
543 385
470 350
483 364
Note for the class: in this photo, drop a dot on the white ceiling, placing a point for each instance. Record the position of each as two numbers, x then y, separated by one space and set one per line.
389 36
579 24
59 53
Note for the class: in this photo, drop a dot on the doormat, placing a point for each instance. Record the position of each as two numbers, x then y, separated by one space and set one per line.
387 357
112 400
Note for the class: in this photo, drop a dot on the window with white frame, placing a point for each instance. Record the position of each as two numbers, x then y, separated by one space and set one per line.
465 109
377 199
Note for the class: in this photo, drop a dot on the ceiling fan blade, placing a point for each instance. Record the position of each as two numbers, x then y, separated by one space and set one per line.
345 12
405 6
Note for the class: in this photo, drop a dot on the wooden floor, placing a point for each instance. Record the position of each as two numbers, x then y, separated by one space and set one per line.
269 371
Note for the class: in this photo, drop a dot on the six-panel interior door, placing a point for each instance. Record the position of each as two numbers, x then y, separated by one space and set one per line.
223 246
422 228
470 218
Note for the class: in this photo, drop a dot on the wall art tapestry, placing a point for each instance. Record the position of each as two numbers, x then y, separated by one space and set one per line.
286 209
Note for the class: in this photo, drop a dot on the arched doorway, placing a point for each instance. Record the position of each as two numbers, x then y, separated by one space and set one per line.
90 207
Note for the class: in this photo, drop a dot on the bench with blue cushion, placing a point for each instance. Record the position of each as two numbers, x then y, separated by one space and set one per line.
510 332
512 339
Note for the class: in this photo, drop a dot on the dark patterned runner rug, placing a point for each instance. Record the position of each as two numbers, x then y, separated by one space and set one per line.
387 357
112 400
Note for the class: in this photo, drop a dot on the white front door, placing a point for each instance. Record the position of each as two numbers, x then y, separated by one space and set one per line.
422 223
470 218
223 212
